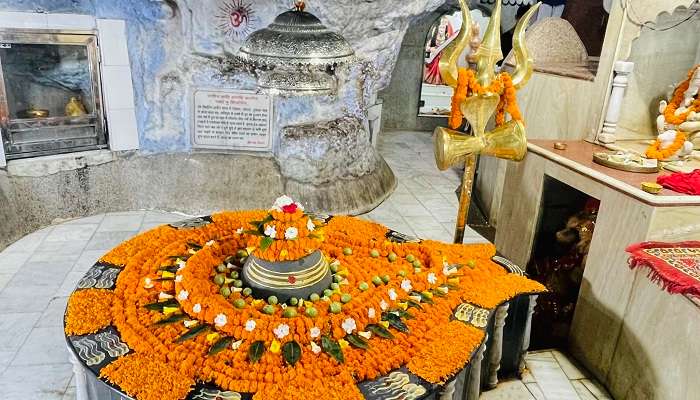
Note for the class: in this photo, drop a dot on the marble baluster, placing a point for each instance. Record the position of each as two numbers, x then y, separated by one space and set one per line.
448 391
496 351
474 384
81 389
622 71
526 334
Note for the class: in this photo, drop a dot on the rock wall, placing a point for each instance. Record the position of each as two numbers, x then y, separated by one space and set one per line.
177 44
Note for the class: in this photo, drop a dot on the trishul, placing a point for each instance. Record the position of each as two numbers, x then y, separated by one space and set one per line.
507 141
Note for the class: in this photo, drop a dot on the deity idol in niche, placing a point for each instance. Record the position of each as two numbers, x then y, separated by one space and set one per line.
441 36
678 124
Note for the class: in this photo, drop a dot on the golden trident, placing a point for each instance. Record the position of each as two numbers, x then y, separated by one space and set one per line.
507 141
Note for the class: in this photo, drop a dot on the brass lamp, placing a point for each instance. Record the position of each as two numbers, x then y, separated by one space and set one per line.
508 141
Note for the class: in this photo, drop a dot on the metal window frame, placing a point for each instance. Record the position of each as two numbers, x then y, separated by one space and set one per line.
97 119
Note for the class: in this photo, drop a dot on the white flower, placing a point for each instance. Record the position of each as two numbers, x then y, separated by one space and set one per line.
270 231
181 264
349 325
315 332
164 296
315 348
406 286
310 225
281 331
183 295
250 325
447 270
197 308
190 323
178 278
148 283
220 320
384 305
392 295
237 344
371 313
291 233
366 335
239 230
432 279
281 202
209 243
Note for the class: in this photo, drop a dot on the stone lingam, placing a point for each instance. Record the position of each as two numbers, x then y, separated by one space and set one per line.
280 268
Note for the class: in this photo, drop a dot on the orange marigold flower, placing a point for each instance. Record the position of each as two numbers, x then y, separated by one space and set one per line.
88 311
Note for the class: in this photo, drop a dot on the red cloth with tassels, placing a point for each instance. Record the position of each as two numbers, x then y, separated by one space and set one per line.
688 183
676 266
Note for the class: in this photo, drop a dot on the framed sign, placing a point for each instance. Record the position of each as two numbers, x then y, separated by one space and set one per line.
232 120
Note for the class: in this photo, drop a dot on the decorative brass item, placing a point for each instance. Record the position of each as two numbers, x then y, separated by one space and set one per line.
560 146
33 112
75 107
651 187
508 141
626 162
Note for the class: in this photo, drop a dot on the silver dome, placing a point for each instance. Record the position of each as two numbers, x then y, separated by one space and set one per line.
296 37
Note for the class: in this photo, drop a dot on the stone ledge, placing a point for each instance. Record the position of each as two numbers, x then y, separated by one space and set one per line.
193 183
49 165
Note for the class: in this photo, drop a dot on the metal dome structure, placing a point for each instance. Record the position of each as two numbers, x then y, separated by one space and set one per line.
296 54
296 37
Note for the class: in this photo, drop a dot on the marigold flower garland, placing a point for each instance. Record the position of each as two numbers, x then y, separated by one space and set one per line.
655 151
468 85
169 311
678 94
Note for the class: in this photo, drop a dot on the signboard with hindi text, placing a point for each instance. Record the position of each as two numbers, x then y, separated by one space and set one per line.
232 120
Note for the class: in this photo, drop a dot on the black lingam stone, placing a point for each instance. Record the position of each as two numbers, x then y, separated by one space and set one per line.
287 279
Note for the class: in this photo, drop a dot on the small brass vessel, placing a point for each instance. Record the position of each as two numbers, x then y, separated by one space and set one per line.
33 112
75 107
651 187
560 146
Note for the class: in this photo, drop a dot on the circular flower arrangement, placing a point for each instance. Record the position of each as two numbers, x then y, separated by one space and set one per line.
187 318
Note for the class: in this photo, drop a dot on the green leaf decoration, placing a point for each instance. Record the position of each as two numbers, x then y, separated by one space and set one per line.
158 306
256 351
192 333
163 279
380 331
220 345
357 341
170 268
252 232
452 286
414 304
395 322
291 352
331 347
404 314
171 319
194 245
183 258
437 293
266 242
423 297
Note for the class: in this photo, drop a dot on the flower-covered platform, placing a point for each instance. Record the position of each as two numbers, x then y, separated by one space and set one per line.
185 310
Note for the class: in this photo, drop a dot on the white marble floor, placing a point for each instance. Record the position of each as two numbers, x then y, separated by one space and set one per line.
38 272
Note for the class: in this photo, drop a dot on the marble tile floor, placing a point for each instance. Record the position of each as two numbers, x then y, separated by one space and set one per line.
33 355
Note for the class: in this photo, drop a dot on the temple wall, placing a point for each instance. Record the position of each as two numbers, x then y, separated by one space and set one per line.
661 60
177 46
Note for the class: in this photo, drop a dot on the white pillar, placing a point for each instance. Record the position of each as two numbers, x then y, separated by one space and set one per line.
622 71
497 346
526 334
3 163
81 390
474 384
